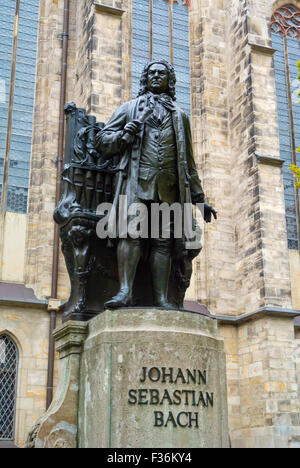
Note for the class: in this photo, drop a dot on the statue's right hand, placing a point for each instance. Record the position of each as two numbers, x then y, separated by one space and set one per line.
132 127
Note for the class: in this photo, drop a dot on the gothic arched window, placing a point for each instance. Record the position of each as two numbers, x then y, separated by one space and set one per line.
285 27
18 48
8 386
161 31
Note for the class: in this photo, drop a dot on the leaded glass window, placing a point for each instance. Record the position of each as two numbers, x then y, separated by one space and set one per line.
285 29
17 70
161 31
182 55
140 42
7 19
8 386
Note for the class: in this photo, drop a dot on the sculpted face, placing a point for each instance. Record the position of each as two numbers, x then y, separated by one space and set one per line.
158 78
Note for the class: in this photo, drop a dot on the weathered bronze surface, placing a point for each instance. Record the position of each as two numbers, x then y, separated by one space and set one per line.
144 152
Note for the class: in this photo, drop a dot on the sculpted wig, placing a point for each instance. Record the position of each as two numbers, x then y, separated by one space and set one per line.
172 78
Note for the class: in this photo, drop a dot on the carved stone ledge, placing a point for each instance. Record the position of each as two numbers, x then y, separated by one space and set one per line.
262 49
258 314
108 9
269 160
69 338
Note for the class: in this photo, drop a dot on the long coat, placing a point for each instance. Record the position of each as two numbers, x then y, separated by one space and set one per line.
108 142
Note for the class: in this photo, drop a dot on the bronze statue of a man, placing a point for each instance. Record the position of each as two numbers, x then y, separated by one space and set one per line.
154 138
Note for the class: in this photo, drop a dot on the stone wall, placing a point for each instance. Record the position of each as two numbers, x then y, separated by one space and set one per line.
14 242
245 262
29 328
215 267
263 391
295 277
106 64
84 45
40 228
254 132
297 357
230 335
262 382
268 384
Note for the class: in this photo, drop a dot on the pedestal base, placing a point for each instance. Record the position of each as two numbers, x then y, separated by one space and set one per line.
152 378
138 378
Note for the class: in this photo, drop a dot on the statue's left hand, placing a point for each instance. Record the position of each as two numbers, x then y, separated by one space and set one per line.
208 212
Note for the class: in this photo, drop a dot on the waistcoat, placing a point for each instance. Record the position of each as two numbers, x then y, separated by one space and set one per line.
158 177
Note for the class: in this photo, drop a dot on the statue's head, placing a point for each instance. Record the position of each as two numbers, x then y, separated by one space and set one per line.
159 77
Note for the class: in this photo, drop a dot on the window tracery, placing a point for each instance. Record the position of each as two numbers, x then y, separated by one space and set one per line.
286 21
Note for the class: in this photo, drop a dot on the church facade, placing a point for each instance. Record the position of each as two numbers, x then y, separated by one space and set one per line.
236 64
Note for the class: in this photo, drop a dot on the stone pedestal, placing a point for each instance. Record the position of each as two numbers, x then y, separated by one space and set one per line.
138 378
152 378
